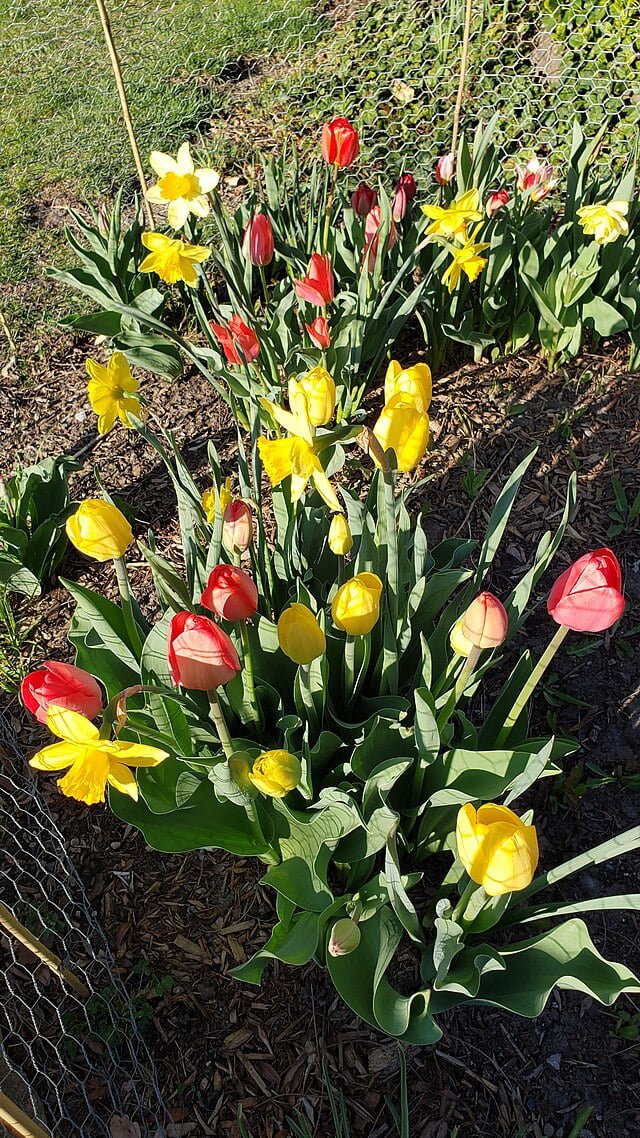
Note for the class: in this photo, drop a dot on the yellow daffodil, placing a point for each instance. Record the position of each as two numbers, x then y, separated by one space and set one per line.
402 428
180 186
606 221
356 606
295 457
466 260
413 383
214 503
497 849
112 391
93 761
172 259
99 530
452 220
299 634
275 773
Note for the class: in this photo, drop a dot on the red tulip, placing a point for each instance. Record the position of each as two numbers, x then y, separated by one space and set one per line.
319 332
63 685
445 169
587 597
230 593
340 143
496 200
237 526
201 655
363 199
371 235
318 286
257 243
238 342
406 191
485 623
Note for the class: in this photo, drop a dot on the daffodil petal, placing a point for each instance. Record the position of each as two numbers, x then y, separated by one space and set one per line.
71 726
162 164
122 779
178 212
208 179
184 161
56 757
136 754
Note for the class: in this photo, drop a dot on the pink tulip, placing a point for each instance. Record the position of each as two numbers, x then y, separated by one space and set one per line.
406 190
237 526
445 169
536 179
62 685
363 199
201 656
496 200
257 244
230 593
372 228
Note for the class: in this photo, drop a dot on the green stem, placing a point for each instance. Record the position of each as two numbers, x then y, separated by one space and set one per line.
328 211
534 679
220 723
248 673
467 894
135 636
269 856
461 683
265 289
349 666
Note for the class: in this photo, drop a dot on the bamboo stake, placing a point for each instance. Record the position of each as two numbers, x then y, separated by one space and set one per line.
18 1121
464 60
124 103
12 926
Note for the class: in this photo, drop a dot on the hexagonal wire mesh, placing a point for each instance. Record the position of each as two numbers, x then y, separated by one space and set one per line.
71 1054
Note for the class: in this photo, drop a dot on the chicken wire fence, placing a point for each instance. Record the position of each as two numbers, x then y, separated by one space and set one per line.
72 1058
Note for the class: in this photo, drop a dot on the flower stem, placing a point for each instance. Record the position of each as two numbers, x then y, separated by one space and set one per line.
534 679
461 683
124 589
328 211
220 723
269 856
248 673
467 894
265 288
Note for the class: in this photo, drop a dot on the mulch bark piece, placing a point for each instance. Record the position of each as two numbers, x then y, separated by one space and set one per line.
219 1043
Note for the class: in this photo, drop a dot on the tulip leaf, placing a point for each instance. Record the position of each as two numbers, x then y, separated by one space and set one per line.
499 517
630 901
399 899
537 766
99 636
427 735
623 843
294 943
306 842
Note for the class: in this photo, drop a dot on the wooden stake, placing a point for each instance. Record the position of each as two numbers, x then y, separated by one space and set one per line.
18 1121
464 59
124 103
12 926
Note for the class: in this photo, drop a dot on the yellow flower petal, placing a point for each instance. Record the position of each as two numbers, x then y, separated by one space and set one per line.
122 779
56 757
136 754
71 726
87 778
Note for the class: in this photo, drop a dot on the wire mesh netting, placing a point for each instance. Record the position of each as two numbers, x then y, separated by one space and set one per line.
71 1053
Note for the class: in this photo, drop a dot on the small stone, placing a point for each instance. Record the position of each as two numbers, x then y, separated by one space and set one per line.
554 1061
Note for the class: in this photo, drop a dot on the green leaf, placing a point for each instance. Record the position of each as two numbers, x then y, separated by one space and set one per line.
306 844
98 633
401 904
294 943
500 517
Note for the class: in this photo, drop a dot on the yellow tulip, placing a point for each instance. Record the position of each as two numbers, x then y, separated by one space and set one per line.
356 605
401 427
173 260
275 773
300 635
93 762
99 530
465 260
112 392
496 848
604 221
320 392
452 220
340 536
413 383
458 641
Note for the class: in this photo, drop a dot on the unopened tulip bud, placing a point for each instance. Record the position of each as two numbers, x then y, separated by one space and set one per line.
230 593
99 530
485 623
257 244
363 199
299 634
458 641
406 190
319 391
275 773
497 200
445 169
237 526
340 536
345 937
340 143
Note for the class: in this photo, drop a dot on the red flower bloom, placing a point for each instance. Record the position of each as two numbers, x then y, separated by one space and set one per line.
340 143
587 597
406 191
62 685
318 286
200 654
257 243
496 200
319 332
238 342
371 235
230 593
237 526
363 199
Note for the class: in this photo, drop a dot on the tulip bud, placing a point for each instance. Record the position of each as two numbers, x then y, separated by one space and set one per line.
275 773
62 685
405 192
319 332
201 656
340 143
356 605
237 526
257 243
485 623
497 849
587 597
340 536
412 383
230 593
402 428
497 200
320 393
458 641
372 227
299 634
363 199
99 530
445 169
345 937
